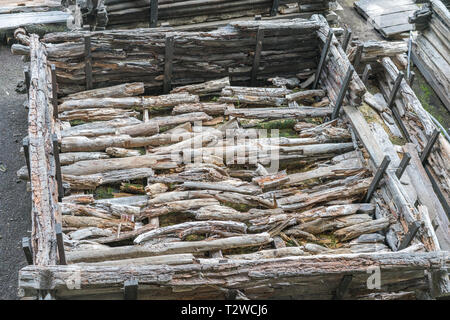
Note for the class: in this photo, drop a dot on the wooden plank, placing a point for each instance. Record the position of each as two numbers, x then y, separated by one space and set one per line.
15 20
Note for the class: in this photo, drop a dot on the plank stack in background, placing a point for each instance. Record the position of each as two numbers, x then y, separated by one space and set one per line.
431 49
130 13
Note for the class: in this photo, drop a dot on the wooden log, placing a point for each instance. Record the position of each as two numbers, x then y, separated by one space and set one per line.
177 206
163 101
305 95
211 108
356 230
97 114
119 91
279 113
301 269
92 181
122 152
170 259
83 222
127 252
205 88
72 157
179 230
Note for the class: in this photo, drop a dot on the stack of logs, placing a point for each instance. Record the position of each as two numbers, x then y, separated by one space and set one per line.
181 192
156 56
133 13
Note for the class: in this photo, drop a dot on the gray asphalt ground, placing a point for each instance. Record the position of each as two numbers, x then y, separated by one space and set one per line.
15 202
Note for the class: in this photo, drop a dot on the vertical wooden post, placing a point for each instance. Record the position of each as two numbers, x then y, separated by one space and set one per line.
58 167
257 57
168 59
60 244
54 92
402 166
323 57
366 73
274 10
27 249
376 180
26 152
346 40
429 147
153 13
342 92
88 62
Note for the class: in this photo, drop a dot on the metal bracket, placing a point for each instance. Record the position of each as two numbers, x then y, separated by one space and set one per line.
376 180
168 59
26 152
54 91
402 166
130 288
412 230
153 13
429 147
58 167
323 56
88 62
342 92
26 72
257 57
60 244
342 289
27 249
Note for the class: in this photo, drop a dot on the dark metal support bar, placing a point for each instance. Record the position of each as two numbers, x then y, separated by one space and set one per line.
323 56
395 88
130 288
258 17
376 180
429 147
27 249
412 230
274 10
26 152
26 72
257 58
168 64
412 76
342 92
358 56
54 92
366 73
88 62
153 13
60 244
346 40
342 289
399 120
438 192
402 166
58 167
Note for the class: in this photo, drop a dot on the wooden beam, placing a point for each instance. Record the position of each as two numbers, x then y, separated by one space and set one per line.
54 91
394 90
346 40
60 244
58 167
366 73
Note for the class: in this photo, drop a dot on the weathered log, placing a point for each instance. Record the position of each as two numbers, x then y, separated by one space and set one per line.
279 113
204 88
127 252
122 152
356 230
119 91
212 109
305 95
